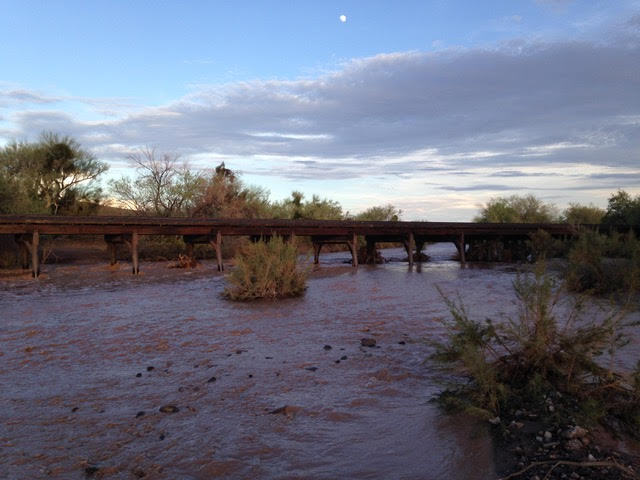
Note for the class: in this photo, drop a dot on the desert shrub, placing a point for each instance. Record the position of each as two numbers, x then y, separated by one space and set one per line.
266 269
599 264
543 246
520 362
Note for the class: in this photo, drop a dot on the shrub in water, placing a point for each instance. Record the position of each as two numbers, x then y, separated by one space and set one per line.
266 270
519 362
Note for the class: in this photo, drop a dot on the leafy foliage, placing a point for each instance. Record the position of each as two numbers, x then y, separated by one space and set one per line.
315 209
622 209
266 269
381 213
53 175
599 264
519 362
577 214
517 209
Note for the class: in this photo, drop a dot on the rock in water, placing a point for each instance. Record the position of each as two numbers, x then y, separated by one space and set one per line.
169 409
368 342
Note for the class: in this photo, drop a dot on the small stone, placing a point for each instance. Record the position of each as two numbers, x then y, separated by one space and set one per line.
211 380
140 414
494 421
238 352
585 441
150 368
75 409
138 472
337 361
311 369
250 376
327 347
368 342
573 445
551 408
402 342
344 357
575 432
89 471
169 409
288 410
547 436
161 437
538 438
591 458
268 358
138 375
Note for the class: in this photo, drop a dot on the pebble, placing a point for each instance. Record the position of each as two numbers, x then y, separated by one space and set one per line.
344 357
75 409
311 369
138 472
327 347
547 436
169 409
138 375
402 342
140 413
591 458
368 342
150 368
211 380
91 470
161 437
573 445
575 432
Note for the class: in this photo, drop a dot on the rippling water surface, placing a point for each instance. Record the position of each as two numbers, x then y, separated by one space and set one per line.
88 355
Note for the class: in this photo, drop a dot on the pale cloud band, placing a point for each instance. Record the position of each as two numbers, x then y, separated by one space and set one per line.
512 111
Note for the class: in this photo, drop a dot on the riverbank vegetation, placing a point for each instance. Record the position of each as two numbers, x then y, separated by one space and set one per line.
266 269
550 365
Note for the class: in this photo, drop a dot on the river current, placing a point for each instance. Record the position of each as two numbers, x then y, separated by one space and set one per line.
89 355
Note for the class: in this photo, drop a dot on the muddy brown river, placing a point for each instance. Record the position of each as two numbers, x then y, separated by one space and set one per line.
278 390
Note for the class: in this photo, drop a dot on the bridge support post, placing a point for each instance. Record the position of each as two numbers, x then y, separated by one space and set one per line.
217 246
463 260
316 252
371 251
353 247
134 253
412 246
30 244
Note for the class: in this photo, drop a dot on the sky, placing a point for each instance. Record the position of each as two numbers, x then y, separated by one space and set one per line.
434 106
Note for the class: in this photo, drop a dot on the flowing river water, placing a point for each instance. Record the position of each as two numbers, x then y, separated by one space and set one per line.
89 355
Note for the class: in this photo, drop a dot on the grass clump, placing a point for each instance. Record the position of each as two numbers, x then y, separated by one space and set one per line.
522 362
266 269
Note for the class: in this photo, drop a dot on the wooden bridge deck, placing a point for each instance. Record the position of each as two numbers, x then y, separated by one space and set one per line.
28 228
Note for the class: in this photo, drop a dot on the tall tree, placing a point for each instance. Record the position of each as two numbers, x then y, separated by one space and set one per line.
622 209
164 186
54 174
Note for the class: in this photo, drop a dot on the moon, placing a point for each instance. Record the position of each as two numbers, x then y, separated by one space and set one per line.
343 18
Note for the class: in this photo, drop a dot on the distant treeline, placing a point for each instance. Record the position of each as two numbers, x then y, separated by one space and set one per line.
55 175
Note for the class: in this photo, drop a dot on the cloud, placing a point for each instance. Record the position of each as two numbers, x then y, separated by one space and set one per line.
511 110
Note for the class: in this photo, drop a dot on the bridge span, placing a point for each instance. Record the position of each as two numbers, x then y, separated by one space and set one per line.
467 237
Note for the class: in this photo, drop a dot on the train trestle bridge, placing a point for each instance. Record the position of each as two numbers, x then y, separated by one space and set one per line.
474 241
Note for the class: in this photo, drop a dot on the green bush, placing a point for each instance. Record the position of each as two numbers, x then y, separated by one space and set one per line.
266 269
520 362
600 265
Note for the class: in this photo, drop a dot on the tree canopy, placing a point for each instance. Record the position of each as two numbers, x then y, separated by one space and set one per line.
517 209
53 175
622 209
